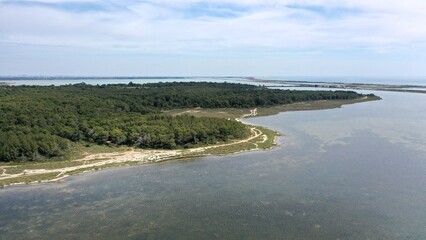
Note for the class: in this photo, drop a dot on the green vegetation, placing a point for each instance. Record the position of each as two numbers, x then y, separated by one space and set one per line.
236 148
270 110
29 179
266 140
41 122
79 150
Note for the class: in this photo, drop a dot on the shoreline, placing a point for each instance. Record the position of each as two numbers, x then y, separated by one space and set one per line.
95 162
261 138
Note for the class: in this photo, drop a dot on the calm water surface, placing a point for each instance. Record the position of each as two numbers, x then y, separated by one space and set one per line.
358 172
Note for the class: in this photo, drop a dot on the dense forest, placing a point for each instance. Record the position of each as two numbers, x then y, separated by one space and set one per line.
38 122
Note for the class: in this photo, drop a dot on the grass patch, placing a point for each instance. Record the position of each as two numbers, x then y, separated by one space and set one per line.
260 142
266 140
313 105
82 170
266 111
230 148
210 112
29 179
48 165
19 168
80 150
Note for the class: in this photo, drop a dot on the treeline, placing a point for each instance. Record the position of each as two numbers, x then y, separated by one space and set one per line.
42 121
40 137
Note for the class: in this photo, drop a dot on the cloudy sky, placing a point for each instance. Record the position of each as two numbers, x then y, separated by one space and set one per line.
213 37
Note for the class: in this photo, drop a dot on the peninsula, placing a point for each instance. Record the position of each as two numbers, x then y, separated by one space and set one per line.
50 132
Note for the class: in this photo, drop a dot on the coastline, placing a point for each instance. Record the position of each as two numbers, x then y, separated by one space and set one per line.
261 138
93 162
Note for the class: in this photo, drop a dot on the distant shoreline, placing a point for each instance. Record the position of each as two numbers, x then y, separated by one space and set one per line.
346 86
410 88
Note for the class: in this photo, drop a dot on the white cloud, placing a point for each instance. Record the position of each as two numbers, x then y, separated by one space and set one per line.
229 27
271 24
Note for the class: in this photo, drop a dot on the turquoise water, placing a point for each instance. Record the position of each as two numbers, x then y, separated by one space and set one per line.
358 172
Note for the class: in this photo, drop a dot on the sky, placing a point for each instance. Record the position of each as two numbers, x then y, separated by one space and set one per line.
213 38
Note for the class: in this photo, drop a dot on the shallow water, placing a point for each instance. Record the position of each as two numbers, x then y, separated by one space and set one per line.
358 172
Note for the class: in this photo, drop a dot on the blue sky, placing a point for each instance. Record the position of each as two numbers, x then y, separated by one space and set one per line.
213 38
